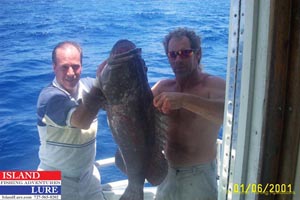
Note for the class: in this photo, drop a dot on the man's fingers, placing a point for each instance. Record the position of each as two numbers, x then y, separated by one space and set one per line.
166 107
157 100
162 103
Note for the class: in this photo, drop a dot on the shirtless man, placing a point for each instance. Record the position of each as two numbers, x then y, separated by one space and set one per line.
194 101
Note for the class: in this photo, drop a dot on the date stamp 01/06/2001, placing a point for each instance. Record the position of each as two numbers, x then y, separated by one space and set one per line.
262 189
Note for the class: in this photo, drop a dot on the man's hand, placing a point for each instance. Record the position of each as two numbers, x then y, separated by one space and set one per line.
167 101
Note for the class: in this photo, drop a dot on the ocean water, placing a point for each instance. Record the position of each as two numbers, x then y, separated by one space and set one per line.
29 29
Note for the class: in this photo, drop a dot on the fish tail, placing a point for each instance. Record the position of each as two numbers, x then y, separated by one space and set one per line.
133 192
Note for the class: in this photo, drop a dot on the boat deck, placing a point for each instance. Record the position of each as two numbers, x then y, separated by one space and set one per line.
114 190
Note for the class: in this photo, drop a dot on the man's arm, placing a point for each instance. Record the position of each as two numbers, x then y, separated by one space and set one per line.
86 112
211 108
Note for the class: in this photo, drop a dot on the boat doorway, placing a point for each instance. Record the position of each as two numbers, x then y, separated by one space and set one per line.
260 153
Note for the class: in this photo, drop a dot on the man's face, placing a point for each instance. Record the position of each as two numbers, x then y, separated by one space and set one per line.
183 61
68 67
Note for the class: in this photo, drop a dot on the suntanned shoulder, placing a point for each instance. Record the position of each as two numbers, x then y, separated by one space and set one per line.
215 81
216 86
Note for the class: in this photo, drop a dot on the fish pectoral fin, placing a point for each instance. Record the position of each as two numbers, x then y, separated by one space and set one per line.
161 126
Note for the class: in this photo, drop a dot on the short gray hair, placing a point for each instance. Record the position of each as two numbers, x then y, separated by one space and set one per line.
64 44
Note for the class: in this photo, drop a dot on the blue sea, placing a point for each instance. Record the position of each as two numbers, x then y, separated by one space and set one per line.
29 30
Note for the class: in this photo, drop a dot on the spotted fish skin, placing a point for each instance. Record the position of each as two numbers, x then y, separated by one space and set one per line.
133 119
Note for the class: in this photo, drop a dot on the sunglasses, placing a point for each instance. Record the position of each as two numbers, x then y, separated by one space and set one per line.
182 53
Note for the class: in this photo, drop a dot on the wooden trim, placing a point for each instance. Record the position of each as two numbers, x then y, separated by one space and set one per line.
281 132
291 136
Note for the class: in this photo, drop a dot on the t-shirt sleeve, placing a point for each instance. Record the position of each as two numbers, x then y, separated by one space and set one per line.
54 109
58 108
